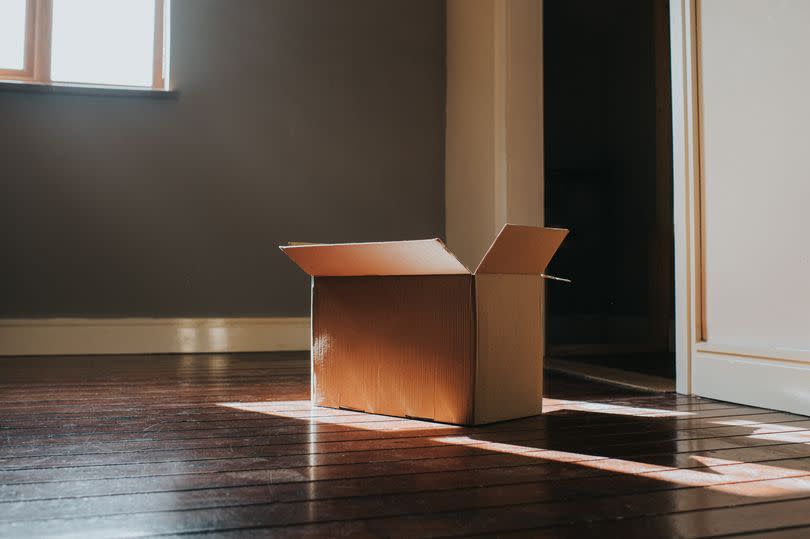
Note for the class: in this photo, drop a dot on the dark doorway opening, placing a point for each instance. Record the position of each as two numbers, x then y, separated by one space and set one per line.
608 177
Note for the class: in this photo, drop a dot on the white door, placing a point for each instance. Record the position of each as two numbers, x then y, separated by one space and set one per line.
753 90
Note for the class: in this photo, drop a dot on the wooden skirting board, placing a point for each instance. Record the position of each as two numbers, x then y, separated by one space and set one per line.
73 336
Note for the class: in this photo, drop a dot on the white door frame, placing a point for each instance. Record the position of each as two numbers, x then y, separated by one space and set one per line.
686 152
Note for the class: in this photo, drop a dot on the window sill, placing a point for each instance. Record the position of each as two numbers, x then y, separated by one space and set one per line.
84 89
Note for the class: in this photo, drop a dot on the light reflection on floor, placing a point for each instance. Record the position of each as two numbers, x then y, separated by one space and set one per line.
552 405
714 474
771 431
728 476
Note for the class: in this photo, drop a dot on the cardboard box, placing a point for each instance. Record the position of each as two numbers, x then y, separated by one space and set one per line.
405 329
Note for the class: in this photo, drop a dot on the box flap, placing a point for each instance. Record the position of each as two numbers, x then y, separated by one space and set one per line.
522 250
417 257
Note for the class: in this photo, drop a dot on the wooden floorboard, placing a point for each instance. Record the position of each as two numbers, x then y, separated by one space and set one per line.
228 445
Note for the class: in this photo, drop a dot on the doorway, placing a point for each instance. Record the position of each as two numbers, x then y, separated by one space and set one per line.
608 177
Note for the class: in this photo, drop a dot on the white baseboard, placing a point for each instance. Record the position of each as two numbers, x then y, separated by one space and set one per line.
77 336
756 381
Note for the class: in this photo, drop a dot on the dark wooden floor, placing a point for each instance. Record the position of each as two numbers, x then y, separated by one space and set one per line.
228 445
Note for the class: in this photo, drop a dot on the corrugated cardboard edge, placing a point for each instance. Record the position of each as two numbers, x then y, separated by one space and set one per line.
412 257
509 348
520 249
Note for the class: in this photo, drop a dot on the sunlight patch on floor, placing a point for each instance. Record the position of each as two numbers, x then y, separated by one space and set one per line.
553 405
771 431
728 476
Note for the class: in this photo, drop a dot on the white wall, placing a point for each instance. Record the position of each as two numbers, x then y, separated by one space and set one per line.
756 171
494 142
470 131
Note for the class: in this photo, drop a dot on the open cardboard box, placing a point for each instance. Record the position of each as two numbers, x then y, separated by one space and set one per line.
403 328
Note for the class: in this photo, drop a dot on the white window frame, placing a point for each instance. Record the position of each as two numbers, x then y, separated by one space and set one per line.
37 60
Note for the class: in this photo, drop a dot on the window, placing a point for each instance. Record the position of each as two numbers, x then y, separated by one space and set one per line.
90 42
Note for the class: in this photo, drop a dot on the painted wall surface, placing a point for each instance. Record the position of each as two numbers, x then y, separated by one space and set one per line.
494 147
471 137
308 120
755 118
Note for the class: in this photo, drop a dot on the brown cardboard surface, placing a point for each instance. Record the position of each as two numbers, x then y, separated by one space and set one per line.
417 257
395 345
509 366
522 250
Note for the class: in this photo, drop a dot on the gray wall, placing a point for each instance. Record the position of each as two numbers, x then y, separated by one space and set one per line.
297 120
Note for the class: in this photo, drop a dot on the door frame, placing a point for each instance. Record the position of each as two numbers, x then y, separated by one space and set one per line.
702 366
492 24
687 185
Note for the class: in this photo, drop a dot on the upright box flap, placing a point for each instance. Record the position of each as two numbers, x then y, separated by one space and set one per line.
417 257
522 250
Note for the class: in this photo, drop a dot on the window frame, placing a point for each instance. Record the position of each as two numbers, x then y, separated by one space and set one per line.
37 53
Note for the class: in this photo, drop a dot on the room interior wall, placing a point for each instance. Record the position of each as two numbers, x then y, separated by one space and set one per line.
494 147
308 120
471 137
